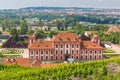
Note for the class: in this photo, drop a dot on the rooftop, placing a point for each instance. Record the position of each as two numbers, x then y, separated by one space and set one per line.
90 45
41 44
113 29
66 37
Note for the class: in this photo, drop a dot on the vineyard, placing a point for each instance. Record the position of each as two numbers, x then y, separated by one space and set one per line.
94 70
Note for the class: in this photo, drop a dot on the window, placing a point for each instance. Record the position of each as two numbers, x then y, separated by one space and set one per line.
77 51
86 51
56 52
77 57
46 52
95 57
56 58
61 57
81 57
41 57
31 52
46 57
72 51
41 52
51 57
81 51
51 52
95 52
61 46
90 57
66 51
86 57
36 52
61 51
56 46
100 52
72 45
72 57
90 52
77 45
67 46
99 57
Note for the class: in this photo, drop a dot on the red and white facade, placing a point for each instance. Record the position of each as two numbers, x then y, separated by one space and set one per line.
62 44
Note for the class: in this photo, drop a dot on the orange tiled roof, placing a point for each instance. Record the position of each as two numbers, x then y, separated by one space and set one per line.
90 45
66 37
36 63
113 29
41 44
6 33
20 61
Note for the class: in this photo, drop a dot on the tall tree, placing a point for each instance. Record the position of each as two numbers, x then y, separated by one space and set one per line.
58 24
14 34
24 28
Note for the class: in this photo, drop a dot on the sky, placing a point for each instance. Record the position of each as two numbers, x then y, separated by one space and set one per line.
15 4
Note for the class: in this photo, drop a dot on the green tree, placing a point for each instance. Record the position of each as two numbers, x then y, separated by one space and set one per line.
52 33
40 23
64 24
30 32
40 34
24 28
59 25
13 31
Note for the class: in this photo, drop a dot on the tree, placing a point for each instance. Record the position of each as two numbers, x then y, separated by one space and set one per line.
64 24
13 31
80 28
15 34
24 28
30 32
51 34
40 34
40 23
49 25
59 25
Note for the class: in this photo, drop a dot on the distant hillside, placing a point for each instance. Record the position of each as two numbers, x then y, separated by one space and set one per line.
54 8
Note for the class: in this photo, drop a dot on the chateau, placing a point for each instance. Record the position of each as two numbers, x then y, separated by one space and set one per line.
63 46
